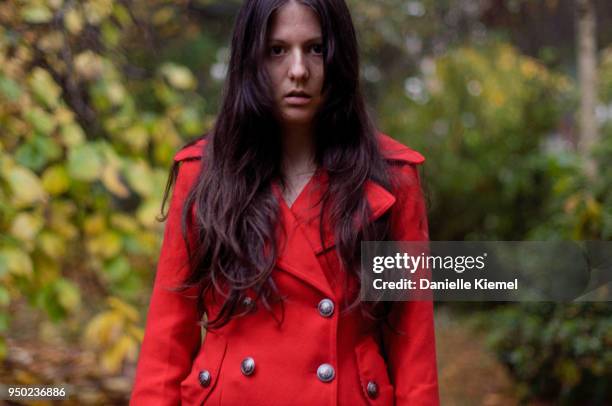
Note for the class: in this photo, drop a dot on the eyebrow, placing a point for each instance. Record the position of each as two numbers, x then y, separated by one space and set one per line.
315 39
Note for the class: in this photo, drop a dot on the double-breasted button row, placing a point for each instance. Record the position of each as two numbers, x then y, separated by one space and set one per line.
326 373
247 367
326 307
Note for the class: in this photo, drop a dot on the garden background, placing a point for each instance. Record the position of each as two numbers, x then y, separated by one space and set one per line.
509 100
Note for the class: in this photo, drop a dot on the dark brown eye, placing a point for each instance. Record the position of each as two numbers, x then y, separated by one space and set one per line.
317 49
276 50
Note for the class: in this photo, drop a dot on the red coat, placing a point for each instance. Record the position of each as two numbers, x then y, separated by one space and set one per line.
317 356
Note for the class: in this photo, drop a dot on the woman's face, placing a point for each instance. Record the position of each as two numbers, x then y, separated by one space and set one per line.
294 61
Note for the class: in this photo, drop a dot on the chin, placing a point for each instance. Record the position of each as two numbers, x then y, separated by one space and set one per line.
298 118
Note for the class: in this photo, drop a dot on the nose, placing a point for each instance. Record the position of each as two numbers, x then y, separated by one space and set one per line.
298 71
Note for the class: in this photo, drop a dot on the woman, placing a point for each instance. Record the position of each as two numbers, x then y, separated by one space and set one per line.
264 230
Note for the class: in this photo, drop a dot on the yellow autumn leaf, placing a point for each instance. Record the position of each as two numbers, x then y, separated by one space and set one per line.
123 222
47 270
61 219
178 76
129 346
150 241
26 187
88 65
123 308
73 21
97 10
16 261
55 180
147 213
136 332
110 179
107 245
25 226
3 348
51 244
55 4
116 93
51 43
94 224
63 115
44 87
103 329
113 358
593 208
137 137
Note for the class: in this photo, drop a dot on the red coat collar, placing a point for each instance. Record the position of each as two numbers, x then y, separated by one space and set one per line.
298 252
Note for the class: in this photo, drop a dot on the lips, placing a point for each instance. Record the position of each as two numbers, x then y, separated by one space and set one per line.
297 98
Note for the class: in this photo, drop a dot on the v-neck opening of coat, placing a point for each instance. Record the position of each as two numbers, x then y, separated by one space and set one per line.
295 206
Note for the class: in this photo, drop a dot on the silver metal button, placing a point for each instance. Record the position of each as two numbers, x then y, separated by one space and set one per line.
204 378
247 302
247 367
326 307
326 373
372 389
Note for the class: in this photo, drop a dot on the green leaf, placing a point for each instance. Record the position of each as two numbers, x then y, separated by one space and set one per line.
84 163
4 322
27 155
36 14
5 297
3 348
42 121
44 87
72 134
140 177
37 152
117 269
9 88
67 294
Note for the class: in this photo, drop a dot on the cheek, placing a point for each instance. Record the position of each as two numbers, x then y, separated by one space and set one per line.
319 75
274 72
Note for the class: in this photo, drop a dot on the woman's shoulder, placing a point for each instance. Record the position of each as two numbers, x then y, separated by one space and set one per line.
403 164
395 151
391 149
194 149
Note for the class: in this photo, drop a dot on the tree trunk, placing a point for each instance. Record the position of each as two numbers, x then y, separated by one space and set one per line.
587 75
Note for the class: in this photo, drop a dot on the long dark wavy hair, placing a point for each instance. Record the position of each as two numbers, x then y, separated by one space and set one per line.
236 213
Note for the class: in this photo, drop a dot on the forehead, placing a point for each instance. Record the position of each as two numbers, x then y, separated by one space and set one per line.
293 22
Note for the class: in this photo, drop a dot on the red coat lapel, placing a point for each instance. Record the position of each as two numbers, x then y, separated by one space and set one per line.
298 252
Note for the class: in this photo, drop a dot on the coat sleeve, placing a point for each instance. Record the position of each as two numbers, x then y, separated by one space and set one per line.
411 356
172 335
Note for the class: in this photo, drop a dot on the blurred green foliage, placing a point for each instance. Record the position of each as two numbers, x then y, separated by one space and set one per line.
483 115
84 158
97 95
554 352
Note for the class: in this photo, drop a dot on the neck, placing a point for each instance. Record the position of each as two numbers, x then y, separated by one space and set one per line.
298 151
